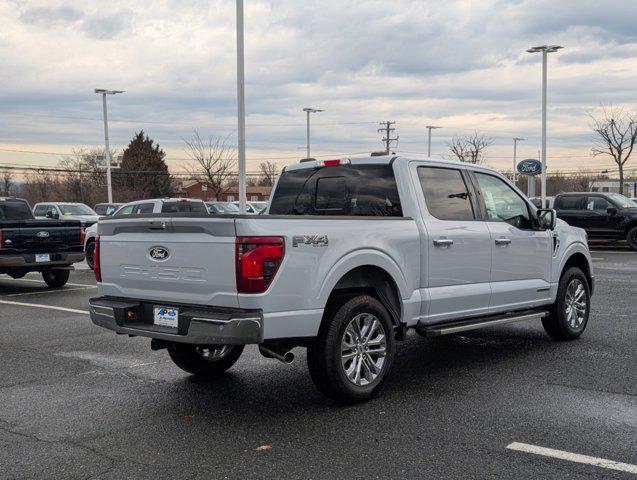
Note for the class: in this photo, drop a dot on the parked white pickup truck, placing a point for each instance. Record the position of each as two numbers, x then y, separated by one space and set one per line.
350 255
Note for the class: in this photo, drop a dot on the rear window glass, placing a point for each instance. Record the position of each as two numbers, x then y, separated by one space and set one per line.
358 190
569 203
184 207
15 211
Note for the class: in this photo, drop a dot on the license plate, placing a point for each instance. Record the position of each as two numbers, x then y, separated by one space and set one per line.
166 317
42 257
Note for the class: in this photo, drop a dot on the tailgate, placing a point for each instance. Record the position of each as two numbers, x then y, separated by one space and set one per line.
41 236
169 260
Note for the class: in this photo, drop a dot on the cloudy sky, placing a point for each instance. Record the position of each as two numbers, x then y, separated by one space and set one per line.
458 64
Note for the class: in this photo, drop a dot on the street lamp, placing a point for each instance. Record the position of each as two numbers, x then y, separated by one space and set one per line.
545 49
308 110
515 157
109 160
241 110
430 128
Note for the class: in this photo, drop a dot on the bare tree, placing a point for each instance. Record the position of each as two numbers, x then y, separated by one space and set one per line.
6 183
470 148
269 171
214 161
84 180
616 135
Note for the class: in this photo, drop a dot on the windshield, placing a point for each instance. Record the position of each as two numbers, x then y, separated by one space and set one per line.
260 206
622 201
76 209
15 211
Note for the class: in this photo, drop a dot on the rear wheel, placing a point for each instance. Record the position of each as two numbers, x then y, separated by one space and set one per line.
631 238
568 316
207 361
56 278
354 351
90 249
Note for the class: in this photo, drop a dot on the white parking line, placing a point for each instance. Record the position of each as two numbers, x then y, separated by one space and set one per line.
49 307
573 457
49 291
32 280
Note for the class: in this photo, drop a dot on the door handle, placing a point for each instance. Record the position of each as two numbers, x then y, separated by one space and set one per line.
502 242
443 242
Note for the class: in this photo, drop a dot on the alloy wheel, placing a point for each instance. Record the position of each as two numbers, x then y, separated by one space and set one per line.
575 303
363 349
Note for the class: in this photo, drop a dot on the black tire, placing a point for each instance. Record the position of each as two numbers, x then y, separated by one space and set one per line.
631 238
192 359
557 324
324 356
56 278
90 248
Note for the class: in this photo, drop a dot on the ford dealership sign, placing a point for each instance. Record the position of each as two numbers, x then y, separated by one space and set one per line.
530 167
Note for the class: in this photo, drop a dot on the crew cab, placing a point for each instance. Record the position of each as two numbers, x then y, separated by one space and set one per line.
350 255
29 245
66 210
604 216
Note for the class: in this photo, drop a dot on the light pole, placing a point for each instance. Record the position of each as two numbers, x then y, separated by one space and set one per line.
515 157
545 49
109 160
308 110
430 128
241 110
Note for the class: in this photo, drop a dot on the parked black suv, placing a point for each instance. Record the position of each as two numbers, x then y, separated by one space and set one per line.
603 215
30 245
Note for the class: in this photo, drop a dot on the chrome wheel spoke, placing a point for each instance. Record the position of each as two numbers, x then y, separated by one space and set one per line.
363 349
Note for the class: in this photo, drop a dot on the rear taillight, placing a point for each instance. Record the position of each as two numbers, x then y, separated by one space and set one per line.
96 260
82 235
257 259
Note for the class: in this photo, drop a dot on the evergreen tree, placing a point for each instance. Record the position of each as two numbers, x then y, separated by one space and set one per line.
143 173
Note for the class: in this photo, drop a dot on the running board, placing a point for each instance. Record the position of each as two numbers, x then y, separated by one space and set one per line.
492 321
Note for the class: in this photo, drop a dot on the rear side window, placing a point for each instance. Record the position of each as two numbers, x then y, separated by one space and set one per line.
145 208
357 190
15 211
184 207
40 210
570 202
446 193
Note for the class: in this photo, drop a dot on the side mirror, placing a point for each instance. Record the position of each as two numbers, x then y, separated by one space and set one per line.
611 210
547 219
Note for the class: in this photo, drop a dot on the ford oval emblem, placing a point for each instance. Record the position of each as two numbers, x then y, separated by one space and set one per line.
159 253
530 166
43 234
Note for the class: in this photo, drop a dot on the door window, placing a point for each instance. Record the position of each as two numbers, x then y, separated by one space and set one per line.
570 202
145 208
446 193
598 204
127 210
502 203
40 211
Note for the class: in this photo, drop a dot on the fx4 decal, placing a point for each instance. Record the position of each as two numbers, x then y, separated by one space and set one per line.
314 240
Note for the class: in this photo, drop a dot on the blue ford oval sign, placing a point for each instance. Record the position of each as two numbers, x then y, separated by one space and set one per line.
530 166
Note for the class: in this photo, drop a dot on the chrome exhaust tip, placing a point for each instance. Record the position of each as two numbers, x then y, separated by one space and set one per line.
279 353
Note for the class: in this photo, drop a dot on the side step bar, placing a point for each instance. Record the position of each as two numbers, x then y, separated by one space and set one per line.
474 324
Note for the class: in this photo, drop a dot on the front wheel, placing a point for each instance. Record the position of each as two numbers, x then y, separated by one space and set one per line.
207 361
354 351
90 249
631 238
56 278
568 316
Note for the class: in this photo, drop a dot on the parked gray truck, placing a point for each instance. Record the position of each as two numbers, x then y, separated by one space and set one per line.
351 254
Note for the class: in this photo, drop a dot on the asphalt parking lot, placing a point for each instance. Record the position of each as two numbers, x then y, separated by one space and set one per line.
80 402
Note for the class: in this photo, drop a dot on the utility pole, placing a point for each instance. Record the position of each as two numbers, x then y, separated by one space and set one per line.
241 110
515 157
109 185
387 130
308 110
544 50
430 128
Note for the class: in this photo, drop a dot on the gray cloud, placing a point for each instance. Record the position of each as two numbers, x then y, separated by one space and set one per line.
50 16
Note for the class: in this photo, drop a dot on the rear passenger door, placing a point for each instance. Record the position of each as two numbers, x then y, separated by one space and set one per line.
521 254
570 208
456 270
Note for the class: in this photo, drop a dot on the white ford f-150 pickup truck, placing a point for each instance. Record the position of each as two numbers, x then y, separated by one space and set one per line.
350 254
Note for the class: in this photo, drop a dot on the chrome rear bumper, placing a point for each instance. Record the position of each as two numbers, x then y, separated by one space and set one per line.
197 325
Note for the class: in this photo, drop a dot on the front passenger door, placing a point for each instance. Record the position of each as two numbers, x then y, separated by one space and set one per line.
521 255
